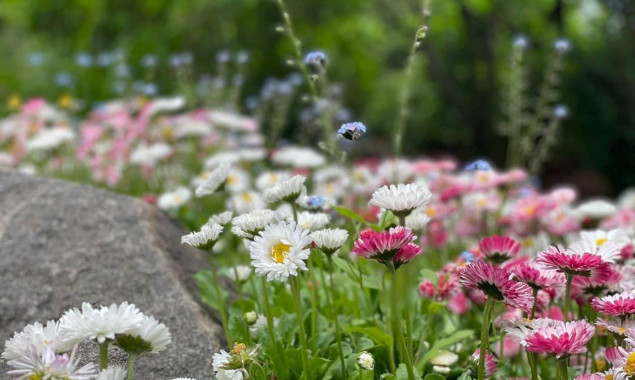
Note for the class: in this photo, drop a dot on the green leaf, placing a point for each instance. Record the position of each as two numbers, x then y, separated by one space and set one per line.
347 267
209 295
376 334
402 372
348 213
443 343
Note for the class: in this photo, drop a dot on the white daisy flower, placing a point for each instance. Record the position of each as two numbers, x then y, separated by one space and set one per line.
219 361
329 240
35 336
190 127
444 358
155 336
602 243
417 220
594 209
174 199
237 180
215 181
270 179
50 365
280 250
364 181
205 238
160 105
249 225
626 199
233 121
261 324
287 191
49 139
246 202
239 273
298 157
223 218
313 220
332 181
113 372
221 158
253 154
149 155
99 324
401 199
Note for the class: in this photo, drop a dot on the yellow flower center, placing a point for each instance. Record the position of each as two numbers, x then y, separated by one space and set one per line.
530 210
629 367
601 241
238 348
65 101
231 180
431 212
14 102
622 330
168 133
528 242
600 364
330 188
177 198
246 197
609 376
279 251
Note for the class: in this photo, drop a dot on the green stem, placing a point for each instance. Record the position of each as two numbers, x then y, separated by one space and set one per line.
567 300
532 357
338 336
314 302
239 286
396 320
533 307
221 302
562 364
489 306
131 359
295 287
391 354
103 355
265 294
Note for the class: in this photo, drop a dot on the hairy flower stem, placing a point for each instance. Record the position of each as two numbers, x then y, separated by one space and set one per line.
567 300
532 357
396 321
295 287
562 365
387 297
131 360
338 336
221 302
265 295
103 355
487 314
314 301
404 94
239 286
297 47
409 347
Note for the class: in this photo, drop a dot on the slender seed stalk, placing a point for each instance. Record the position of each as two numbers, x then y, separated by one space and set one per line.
295 286
489 307
131 360
103 355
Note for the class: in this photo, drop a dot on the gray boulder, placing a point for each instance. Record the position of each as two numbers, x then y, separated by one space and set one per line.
62 244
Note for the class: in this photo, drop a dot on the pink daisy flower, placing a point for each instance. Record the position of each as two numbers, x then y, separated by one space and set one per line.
495 282
586 288
560 338
618 305
490 362
447 285
572 263
394 245
623 362
498 249
536 276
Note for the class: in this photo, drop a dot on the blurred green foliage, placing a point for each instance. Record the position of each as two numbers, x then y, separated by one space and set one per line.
460 71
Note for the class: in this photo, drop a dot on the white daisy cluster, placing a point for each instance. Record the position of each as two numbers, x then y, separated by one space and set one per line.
401 199
49 352
287 191
174 199
249 225
215 181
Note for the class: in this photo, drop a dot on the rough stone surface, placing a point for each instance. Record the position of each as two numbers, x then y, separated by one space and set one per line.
62 244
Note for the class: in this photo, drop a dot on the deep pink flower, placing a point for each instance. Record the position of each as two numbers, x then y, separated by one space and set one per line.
583 289
592 376
498 249
393 245
560 338
511 346
537 276
621 305
490 362
459 304
581 264
447 285
495 282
